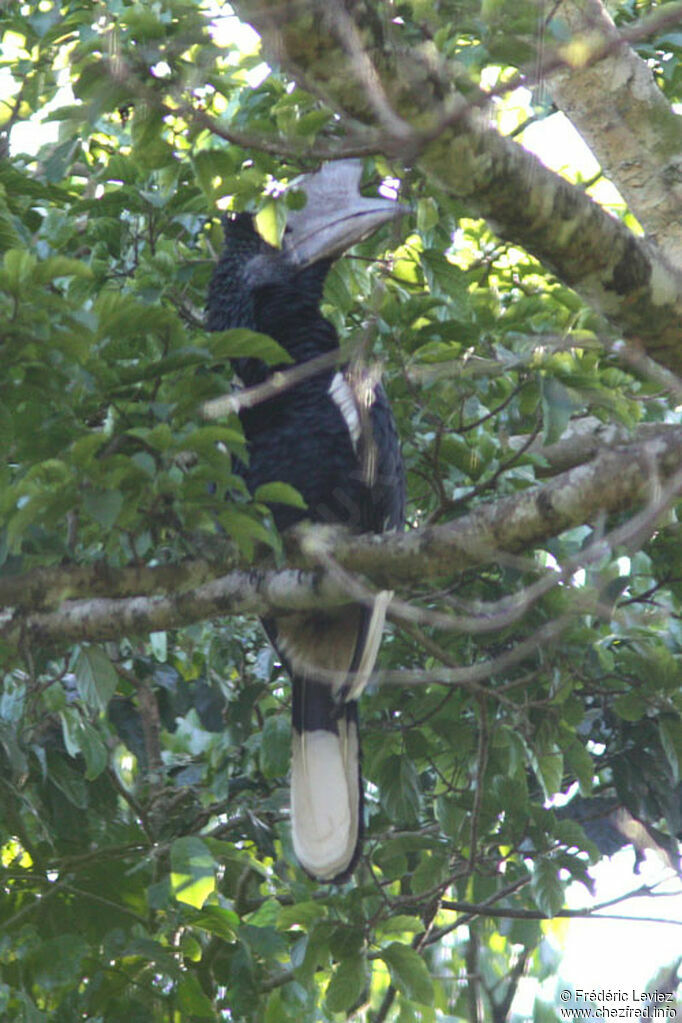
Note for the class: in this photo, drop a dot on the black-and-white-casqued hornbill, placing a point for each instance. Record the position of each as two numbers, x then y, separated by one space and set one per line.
333 438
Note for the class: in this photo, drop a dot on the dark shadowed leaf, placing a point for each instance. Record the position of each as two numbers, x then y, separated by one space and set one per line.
347 984
96 676
275 746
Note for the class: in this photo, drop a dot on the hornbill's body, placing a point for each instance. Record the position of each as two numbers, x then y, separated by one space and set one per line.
334 440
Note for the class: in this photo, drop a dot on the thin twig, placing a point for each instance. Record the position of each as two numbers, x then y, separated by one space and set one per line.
481 763
276 384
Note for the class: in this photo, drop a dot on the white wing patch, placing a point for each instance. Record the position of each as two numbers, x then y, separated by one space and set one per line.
341 393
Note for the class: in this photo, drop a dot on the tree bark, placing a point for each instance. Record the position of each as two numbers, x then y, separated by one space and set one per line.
626 120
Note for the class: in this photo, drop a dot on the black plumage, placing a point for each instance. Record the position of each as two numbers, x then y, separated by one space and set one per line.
333 438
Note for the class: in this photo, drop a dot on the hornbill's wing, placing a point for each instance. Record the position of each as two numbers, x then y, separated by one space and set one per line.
330 656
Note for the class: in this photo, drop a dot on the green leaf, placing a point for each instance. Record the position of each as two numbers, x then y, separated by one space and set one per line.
275 1011
268 222
192 1001
239 343
218 920
345 941
399 788
670 732
61 266
347 984
12 748
84 450
206 440
192 871
557 408
427 214
408 972
263 941
450 815
244 529
275 746
550 770
400 924
12 700
548 891
145 463
266 915
570 833
279 493
432 867
96 676
301 914
94 751
103 506
59 962
71 729
6 427
68 781
630 707
315 952
8 236
408 1013
579 761
18 265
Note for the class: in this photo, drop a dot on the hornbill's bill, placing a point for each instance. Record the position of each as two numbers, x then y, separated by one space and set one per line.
333 438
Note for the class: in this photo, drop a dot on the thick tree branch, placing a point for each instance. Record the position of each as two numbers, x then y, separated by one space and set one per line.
102 618
615 481
623 276
47 587
624 117
584 439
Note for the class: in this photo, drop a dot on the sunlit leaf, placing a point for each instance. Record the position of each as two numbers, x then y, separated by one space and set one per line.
409 972
193 871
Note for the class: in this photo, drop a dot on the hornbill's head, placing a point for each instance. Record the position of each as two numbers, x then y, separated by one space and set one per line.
334 217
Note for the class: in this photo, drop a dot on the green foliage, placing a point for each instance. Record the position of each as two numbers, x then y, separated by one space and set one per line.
146 865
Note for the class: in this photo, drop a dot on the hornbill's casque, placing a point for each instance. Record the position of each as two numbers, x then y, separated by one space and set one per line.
333 438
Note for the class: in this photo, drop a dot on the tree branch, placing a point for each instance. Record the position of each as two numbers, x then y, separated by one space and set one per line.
626 120
106 618
583 440
48 587
623 276
532 914
616 480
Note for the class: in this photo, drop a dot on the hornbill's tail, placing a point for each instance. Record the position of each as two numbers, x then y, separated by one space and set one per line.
326 783
330 656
